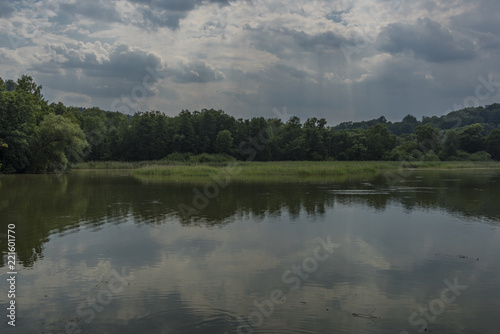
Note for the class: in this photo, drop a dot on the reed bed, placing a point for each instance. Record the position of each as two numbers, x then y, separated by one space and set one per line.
276 168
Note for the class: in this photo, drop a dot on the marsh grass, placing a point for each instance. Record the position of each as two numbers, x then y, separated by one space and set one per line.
308 168
303 169
298 169
132 165
177 170
107 165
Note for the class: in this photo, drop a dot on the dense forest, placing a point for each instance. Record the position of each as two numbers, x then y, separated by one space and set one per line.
38 137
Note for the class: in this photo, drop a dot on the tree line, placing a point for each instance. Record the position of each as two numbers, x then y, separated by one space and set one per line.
38 137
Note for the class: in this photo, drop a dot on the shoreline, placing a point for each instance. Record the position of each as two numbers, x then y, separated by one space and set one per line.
287 169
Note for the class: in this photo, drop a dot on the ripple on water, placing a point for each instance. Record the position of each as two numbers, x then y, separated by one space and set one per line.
185 319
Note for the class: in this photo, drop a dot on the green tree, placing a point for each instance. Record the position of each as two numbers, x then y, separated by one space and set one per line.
93 124
493 144
54 140
184 139
224 142
117 124
472 139
293 140
338 144
427 138
314 134
450 145
59 108
407 125
3 146
22 107
379 142
357 150
147 137
260 139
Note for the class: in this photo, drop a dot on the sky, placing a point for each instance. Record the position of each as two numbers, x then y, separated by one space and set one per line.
340 60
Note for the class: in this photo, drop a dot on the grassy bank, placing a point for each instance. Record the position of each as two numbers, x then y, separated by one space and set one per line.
119 164
278 168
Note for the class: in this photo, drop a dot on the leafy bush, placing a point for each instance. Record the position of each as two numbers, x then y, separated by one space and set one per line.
480 156
430 156
176 156
211 158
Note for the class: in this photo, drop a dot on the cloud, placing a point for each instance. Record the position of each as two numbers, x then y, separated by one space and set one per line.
283 42
95 69
103 60
427 40
104 73
6 8
176 5
156 14
196 71
154 19
150 14
97 10
484 18
337 16
482 23
319 42
248 57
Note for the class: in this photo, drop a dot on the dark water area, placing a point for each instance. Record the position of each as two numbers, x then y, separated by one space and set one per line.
104 252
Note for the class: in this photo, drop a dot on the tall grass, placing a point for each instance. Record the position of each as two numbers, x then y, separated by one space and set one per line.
174 159
276 168
279 168
179 170
105 165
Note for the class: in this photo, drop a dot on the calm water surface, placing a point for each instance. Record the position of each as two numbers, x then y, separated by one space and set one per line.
104 252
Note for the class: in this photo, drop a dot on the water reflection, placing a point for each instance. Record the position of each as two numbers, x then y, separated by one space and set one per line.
399 242
41 205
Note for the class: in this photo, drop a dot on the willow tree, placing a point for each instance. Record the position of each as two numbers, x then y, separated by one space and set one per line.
55 140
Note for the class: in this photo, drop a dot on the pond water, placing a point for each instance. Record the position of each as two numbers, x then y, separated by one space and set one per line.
104 252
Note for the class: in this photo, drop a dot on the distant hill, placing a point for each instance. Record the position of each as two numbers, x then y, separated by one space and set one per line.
487 116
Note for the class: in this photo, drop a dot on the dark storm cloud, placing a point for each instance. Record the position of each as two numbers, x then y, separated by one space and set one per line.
484 18
337 16
118 61
483 23
99 10
195 72
283 84
177 5
168 13
6 8
254 56
154 19
282 41
105 71
96 70
318 42
153 14
427 40
269 40
292 72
